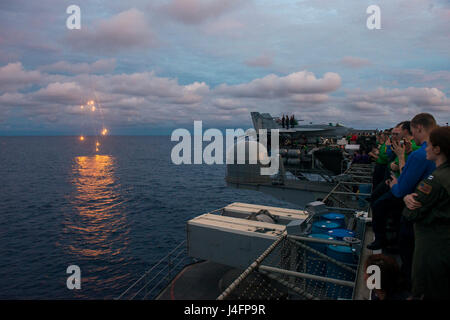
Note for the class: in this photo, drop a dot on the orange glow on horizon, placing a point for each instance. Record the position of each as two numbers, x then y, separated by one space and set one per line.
81 138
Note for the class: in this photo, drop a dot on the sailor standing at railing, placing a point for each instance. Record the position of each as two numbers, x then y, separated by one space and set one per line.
429 209
417 168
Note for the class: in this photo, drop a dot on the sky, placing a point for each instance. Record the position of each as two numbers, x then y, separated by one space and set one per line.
153 66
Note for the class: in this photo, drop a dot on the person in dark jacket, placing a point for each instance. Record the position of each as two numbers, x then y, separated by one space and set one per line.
429 209
381 160
282 121
391 286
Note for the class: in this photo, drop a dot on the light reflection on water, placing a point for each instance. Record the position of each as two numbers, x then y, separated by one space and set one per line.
115 215
97 230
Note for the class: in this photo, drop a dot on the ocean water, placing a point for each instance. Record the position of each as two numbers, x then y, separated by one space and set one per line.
114 213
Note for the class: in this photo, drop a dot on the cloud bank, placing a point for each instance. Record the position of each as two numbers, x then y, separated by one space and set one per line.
127 30
144 98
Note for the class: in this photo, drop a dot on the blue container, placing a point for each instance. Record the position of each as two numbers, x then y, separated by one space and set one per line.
314 264
345 255
335 217
322 247
340 234
323 226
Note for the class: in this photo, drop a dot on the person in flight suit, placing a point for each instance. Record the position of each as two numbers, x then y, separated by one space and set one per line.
429 209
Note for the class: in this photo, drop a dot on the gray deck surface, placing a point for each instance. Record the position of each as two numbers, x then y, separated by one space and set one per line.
361 290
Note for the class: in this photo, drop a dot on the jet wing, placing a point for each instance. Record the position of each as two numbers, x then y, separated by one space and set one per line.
302 130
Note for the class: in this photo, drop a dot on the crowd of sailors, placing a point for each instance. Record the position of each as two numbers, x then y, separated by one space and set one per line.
410 206
367 142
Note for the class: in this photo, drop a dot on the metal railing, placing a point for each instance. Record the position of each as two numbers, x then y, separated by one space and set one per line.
157 277
164 271
225 294
344 193
291 269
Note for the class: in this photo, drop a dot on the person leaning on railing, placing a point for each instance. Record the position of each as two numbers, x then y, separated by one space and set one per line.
429 208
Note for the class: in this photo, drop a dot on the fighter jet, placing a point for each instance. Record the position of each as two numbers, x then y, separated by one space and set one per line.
266 121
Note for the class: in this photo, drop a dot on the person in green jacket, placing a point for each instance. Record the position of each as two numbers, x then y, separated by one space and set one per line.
382 156
381 160
429 209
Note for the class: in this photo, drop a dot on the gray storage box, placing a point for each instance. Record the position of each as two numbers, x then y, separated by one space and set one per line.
230 241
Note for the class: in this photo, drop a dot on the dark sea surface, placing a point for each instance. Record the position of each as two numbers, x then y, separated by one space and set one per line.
114 213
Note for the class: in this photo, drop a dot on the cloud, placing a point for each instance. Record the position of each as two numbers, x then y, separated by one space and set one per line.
431 98
438 78
14 77
139 97
229 27
125 31
384 107
15 99
310 98
355 62
142 84
273 86
61 93
147 84
198 11
192 93
265 60
227 104
144 98
99 66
